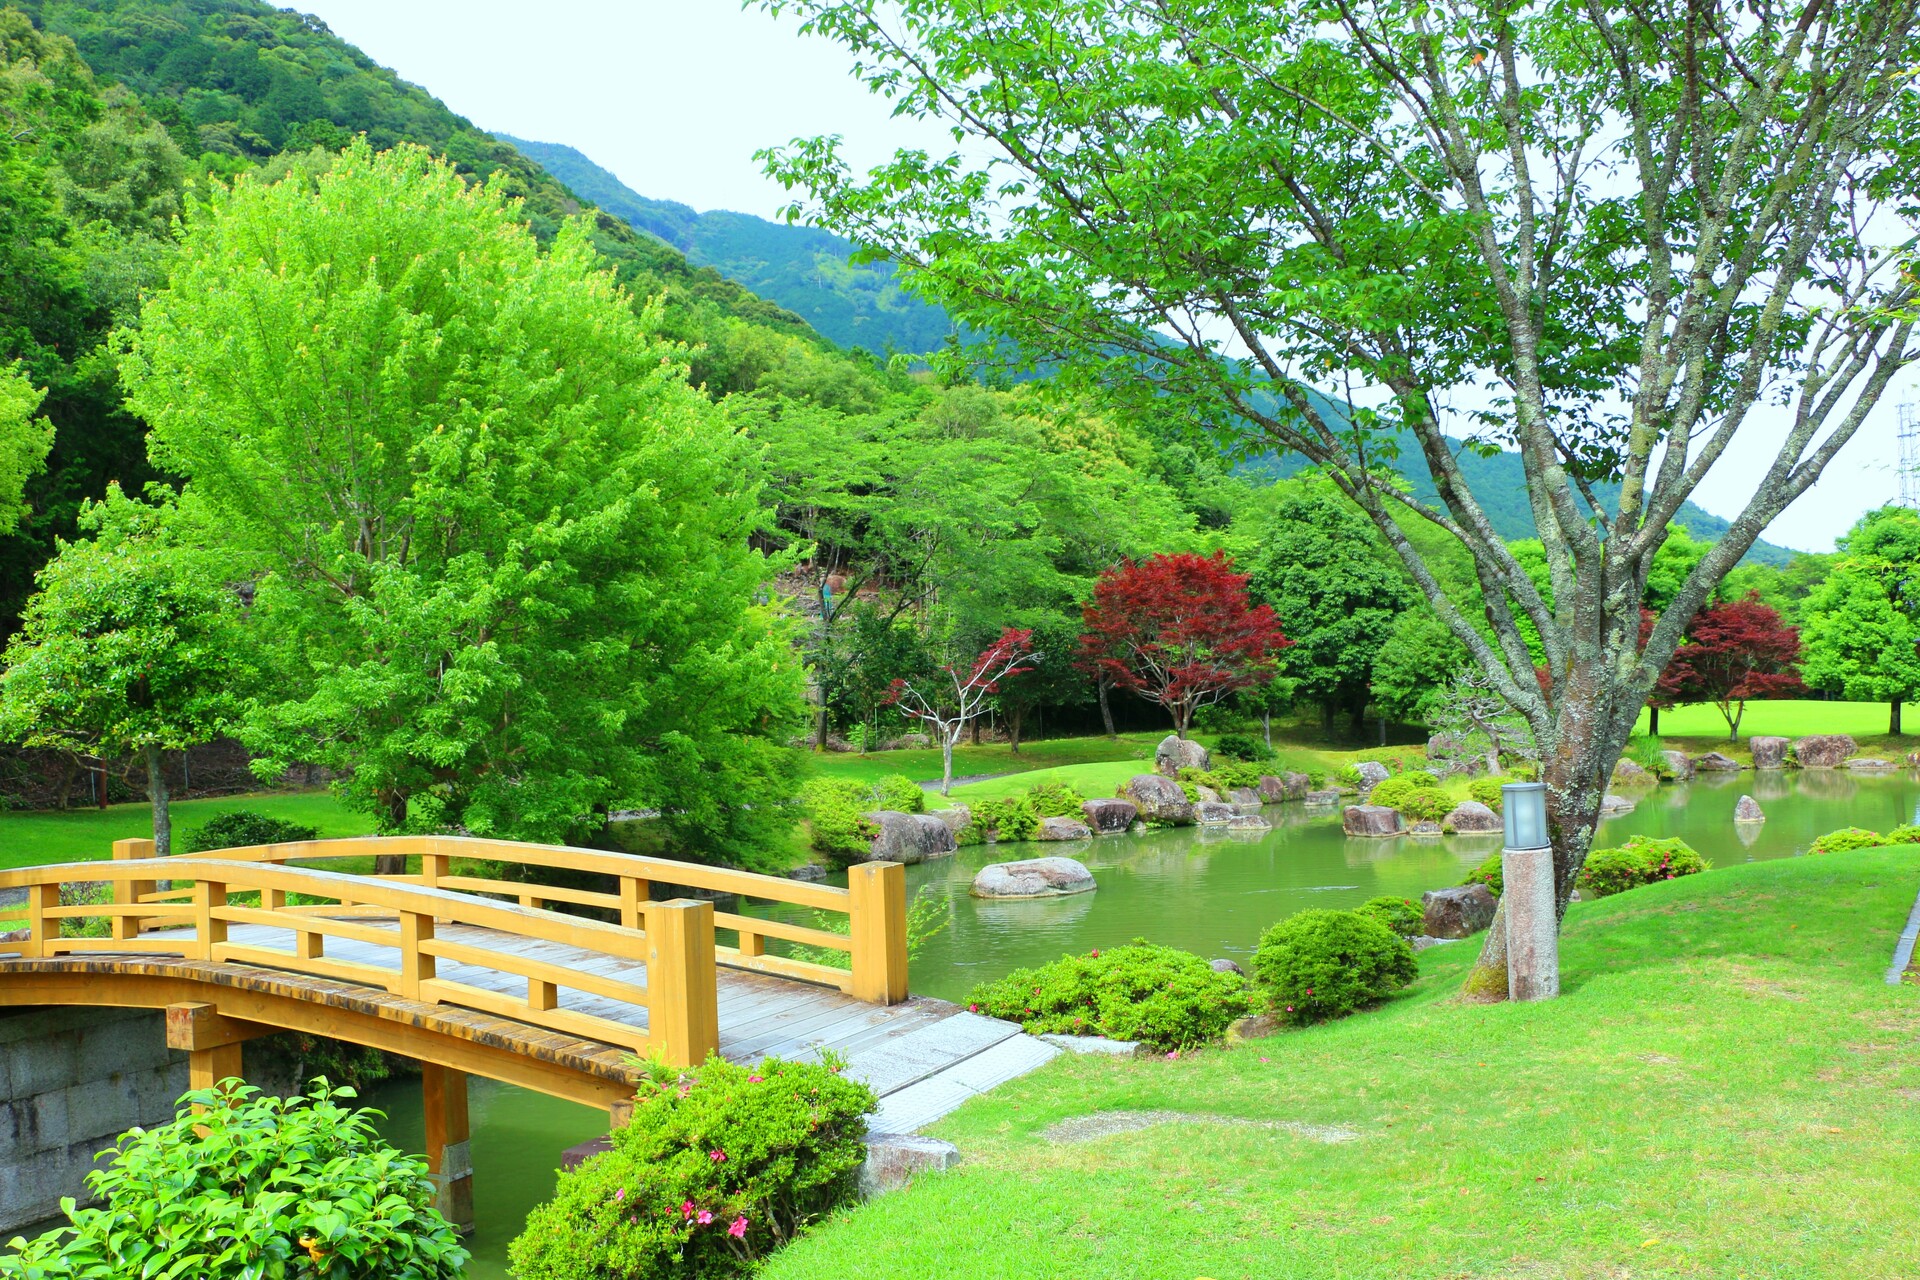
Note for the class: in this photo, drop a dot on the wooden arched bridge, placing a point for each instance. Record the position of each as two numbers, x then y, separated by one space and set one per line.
465 964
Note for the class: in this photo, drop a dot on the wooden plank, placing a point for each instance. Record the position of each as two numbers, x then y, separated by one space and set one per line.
366 975
586 1026
800 933
196 1026
540 970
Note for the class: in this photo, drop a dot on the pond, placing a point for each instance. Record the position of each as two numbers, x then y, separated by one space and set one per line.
1212 893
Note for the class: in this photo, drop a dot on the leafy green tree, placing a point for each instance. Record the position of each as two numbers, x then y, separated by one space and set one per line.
1861 635
1415 666
501 547
131 645
24 441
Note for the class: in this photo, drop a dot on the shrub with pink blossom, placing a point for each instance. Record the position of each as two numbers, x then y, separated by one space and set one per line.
1326 964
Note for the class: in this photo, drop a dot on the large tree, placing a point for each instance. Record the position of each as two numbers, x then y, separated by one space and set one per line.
1734 652
1862 631
1620 239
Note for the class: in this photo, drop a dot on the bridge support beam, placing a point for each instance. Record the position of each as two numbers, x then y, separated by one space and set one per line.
449 1157
211 1040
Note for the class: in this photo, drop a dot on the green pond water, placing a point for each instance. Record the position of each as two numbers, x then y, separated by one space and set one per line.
1205 892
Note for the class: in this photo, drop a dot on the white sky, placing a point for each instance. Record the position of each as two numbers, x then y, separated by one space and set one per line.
675 97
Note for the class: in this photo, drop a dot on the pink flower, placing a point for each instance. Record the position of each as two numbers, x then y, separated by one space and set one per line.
1266 1059
686 1209
1289 1008
620 1195
753 1079
703 1217
738 1227
973 1008
1174 1054
718 1157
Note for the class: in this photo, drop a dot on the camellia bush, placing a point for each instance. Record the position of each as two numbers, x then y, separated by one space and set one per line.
1846 839
1327 964
1402 915
1400 786
248 1187
1641 860
1488 873
1160 996
719 1167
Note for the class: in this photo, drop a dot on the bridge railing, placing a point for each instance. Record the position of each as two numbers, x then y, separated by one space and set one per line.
873 903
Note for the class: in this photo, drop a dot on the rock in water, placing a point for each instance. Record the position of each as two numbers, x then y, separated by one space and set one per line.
1748 810
1457 913
1107 817
1612 805
955 816
1243 795
1176 753
1159 799
1206 795
1470 817
1248 822
1370 820
1285 786
1678 765
1211 813
1372 774
1034 878
1063 829
909 837
1823 750
1871 766
1328 797
1715 762
1226 966
1769 753
1628 773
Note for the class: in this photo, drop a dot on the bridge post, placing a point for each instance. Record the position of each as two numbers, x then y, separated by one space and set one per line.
683 1015
449 1156
128 892
879 926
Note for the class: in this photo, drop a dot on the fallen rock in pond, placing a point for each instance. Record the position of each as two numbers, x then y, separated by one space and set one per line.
1063 829
1248 822
1459 912
1372 774
1224 965
1748 810
1159 799
1425 827
1033 878
1243 795
895 1159
1370 820
1612 805
1176 753
811 871
1471 818
1769 752
1211 813
955 816
1283 786
1327 797
909 838
1097 1046
1823 750
1109 817
1715 762
1678 765
1628 773
1206 795
1871 765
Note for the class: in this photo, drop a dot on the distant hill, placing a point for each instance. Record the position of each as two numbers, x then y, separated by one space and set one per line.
804 269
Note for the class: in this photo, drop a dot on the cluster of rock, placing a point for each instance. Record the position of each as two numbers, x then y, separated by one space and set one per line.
1469 817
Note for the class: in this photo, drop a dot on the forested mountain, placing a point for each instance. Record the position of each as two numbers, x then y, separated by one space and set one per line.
804 269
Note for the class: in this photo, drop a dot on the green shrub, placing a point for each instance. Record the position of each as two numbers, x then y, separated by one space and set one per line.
1649 752
1906 833
1241 746
1487 792
1327 964
1426 804
1054 800
1488 874
1317 779
1160 996
1641 860
1402 915
1347 777
233 1191
245 827
899 793
835 809
1391 791
1847 838
1006 818
718 1168
969 835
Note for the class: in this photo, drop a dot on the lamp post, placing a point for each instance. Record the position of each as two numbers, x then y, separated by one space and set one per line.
1527 892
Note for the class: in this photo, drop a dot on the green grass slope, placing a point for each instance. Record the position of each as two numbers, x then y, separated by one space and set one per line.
86 835
1727 1089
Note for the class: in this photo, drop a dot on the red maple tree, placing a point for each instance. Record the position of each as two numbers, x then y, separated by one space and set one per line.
1733 652
947 711
1179 630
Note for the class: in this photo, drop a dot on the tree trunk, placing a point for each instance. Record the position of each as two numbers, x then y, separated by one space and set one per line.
1013 729
1106 713
820 728
1653 722
1893 718
393 864
157 792
1266 727
946 762
1180 717
976 736
1733 723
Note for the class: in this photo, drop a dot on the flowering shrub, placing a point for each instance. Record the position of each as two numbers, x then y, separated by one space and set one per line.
251 1186
1006 818
1641 860
1054 800
1488 874
1906 833
1847 838
719 1167
1160 996
1402 915
1486 791
1401 785
1327 964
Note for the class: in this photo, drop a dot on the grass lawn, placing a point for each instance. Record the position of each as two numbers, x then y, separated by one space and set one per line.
1726 1089
1702 728
992 757
79 835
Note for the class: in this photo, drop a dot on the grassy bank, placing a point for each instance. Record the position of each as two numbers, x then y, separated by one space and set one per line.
78 835
1702 728
1727 1089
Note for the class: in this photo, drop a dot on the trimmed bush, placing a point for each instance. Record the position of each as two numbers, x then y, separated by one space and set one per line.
1641 860
1327 964
1487 792
1400 785
1402 915
718 1168
835 809
1006 818
1054 800
899 793
245 827
1425 804
1488 874
1847 838
1241 746
1167 998
1906 833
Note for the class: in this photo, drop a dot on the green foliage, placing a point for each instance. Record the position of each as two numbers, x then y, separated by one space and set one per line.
1054 800
1241 746
237 1190
1007 817
1861 631
1347 777
1649 752
1394 790
24 442
835 809
1402 915
718 1168
1905 833
1160 996
1425 804
1487 792
899 793
243 828
1488 874
1847 839
1326 964
1641 860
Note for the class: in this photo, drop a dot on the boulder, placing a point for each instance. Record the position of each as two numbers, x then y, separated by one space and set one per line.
1063 829
810 872
1748 810
1769 753
1243 795
1255 1026
955 816
1033 878
1628 773
1715 762
1611 805
1176 753
1678 765
909 837
1226 966
1425 827
1823 750
1372 774
1158 799
1870 765
1329 797
1286 786
1206 795
1457 913
1470 817
1248 822
1108 817
1211 813
895 1159
1370 820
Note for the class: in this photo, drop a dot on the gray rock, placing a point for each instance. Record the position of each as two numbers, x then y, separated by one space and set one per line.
1629 773
812 871
1470 817
1033 878
1823 750
1425 827
1328 797
1459 912
1612 805
1422 942
1176 753
1769 752
1243 795
1284 786
895 1159
1211 813
1159 799
1678 765
1097 1046
1871 765
1248 822
1063 829
1224 965
1715 762
909 838
955 816
1372 774
1207 795
1370 820
1748 810
1255 1026
1108 817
